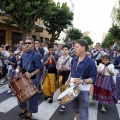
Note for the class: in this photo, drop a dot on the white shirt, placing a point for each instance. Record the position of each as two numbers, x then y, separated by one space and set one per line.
110 67
99 56
62 60
85 87
46 50
6 54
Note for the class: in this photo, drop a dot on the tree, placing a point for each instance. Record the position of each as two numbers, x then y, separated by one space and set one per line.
24 13
115 32
57 18
108 41
117 14
88 39
74 34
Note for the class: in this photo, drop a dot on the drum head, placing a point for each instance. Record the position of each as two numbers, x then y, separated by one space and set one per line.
66 92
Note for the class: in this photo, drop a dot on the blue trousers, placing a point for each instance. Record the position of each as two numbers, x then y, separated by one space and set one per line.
38 77
118 85
33 101
11 73
81 105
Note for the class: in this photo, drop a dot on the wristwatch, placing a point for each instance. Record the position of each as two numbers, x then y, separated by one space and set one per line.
83 82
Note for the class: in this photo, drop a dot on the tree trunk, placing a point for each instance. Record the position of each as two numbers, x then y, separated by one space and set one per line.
24 34
52 39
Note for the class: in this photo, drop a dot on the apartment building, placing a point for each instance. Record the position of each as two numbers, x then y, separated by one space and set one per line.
12 35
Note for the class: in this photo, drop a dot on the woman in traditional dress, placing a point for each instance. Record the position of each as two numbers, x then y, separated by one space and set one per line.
104 88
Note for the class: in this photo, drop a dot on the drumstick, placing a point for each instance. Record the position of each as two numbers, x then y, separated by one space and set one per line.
66 85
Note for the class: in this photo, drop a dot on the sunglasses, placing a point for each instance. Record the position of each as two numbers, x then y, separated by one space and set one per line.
28 43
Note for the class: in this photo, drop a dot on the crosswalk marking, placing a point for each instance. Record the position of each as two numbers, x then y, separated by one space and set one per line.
3 88
93 110
118 109
8 104
46 110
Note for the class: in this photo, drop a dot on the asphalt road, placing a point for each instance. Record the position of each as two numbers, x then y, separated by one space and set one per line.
9 109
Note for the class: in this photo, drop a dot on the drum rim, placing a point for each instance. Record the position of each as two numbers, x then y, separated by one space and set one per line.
64 91
70 92
71 99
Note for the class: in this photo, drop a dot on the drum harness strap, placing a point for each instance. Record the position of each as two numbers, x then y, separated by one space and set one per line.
83 70
81 75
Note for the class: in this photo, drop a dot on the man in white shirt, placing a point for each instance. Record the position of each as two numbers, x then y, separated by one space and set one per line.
98 53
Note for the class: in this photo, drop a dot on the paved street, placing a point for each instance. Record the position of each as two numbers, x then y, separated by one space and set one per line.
9 109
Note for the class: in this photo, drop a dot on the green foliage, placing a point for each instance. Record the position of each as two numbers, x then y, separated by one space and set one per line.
57 18
8 21
115 32
108 41
117 14
112 36
24 13
74 34
88 39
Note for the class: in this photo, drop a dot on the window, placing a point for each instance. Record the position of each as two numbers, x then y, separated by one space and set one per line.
41 39
16 37
2 36
34 37
46 40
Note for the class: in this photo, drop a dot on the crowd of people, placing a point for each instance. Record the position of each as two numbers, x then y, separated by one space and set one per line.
96 73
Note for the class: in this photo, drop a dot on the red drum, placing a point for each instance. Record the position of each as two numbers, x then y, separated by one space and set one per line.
23 88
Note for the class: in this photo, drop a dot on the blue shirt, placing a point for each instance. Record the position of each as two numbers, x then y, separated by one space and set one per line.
36 61
42 51
89 72
117 62
13 59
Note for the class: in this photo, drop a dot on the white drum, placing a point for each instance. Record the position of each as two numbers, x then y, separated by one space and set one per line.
68 95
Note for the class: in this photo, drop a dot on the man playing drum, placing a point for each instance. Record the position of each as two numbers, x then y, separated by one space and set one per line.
30 65
83 73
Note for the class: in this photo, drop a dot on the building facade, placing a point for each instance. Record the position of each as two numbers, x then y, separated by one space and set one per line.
12 35
89 34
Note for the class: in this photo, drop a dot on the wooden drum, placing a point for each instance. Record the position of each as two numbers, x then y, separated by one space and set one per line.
23 88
